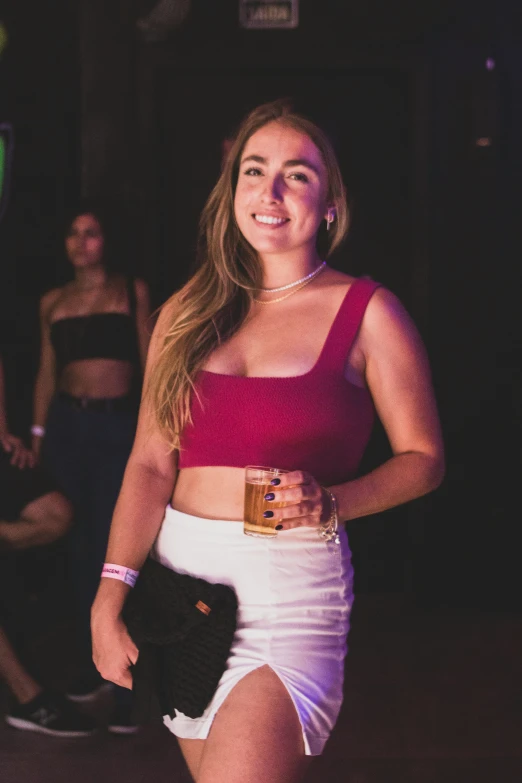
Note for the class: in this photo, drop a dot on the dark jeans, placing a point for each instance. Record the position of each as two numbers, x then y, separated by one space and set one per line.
86 453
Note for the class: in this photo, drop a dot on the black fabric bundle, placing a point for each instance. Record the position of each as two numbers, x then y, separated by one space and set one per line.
183 627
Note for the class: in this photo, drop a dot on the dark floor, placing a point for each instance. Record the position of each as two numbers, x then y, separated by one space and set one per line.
430 697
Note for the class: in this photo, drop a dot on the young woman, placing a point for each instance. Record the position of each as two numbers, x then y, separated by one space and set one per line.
94 335
268 356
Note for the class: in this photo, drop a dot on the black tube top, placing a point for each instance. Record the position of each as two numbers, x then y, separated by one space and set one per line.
95 336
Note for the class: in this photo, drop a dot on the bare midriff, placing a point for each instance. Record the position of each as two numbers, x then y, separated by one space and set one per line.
96 378
210 492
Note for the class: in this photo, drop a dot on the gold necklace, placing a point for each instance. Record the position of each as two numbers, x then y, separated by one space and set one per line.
294 291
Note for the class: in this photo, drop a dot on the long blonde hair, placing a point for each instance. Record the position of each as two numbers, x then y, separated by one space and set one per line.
211 307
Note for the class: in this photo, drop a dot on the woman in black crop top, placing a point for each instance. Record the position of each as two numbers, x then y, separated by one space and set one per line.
94 339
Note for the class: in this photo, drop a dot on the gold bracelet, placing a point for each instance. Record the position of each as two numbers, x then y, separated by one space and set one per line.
329 530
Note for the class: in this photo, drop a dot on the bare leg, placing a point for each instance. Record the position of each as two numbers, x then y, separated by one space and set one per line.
22 685
256 735
192 750
41 522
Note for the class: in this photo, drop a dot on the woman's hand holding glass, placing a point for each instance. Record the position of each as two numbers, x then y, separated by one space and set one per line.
307 504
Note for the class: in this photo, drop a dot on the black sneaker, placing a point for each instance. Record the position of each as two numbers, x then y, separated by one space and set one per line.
87 688
51 714
121 721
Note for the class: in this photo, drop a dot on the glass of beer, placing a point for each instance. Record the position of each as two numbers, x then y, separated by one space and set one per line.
257 485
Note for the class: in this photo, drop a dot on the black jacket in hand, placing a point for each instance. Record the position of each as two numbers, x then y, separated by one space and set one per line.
183 627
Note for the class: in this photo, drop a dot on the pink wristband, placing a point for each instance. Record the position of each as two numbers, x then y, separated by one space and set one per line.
126 575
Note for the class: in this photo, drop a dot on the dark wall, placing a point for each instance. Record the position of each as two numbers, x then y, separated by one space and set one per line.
475 333
40 96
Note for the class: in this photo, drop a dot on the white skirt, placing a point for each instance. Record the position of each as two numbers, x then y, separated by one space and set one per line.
295 596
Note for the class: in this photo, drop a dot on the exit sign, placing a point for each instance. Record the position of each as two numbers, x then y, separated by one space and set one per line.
268 14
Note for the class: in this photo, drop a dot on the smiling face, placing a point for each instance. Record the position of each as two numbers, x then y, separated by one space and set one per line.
84 241
280 197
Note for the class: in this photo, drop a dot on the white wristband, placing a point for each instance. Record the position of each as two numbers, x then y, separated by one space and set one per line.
127 575
38 430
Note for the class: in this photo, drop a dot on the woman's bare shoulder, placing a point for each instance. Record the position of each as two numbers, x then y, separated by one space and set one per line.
335 277
49 300
334 285
141 288
384 306
387 325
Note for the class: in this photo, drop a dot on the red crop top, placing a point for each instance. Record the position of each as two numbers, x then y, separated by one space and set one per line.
317 422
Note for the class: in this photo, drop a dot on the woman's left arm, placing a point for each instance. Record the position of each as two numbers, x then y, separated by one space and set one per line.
143 327
399 379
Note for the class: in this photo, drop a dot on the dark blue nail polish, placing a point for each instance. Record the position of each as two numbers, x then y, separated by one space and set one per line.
268 514
279 527
269 496
275 482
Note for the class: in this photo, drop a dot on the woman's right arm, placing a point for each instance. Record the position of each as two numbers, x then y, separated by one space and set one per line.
147 487
46 376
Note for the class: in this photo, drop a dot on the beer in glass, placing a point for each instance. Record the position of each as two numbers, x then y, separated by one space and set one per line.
257 485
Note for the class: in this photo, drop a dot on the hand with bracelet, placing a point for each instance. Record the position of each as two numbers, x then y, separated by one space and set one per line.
37 436
113 649
308 504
